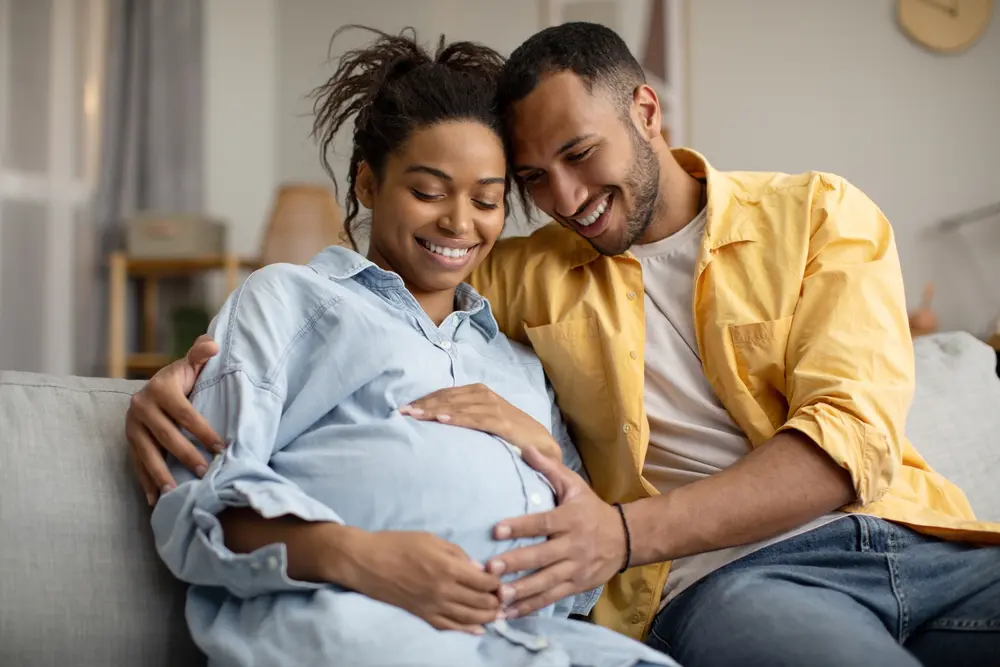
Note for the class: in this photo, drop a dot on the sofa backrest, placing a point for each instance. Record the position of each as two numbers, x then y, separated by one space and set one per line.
80 580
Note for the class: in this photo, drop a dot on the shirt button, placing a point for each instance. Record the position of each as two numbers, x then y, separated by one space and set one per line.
637 617
631 296
536 499
633 354
627 428
446 345
272 563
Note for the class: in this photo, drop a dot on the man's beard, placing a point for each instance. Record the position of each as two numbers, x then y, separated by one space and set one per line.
643 182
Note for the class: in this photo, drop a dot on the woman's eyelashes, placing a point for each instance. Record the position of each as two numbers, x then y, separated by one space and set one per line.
480 203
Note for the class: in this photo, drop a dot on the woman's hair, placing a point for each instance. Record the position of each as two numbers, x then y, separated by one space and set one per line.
392 87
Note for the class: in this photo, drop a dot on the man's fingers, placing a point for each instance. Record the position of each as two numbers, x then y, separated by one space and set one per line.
482 602
540 601
534 557
148 486
180 410
543 524
477 579
445 623
170 438
204 348
150 458
544 580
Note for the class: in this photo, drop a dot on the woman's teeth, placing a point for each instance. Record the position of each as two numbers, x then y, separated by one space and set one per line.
592 218
446 252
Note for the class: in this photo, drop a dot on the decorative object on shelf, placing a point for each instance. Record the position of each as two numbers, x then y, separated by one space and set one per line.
944 26
304 219
158 236
149 272
186 324
923 320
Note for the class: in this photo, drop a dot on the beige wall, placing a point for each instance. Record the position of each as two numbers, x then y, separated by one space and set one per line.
814 84
774 84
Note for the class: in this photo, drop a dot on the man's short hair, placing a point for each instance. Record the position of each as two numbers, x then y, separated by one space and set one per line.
593 52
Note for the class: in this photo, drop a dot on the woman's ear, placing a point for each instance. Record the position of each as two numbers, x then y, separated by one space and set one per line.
364 185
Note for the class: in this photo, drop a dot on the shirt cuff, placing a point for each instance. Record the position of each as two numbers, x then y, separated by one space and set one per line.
190 537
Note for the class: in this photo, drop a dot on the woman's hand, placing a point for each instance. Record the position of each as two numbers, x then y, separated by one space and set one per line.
154 414
476 406
423 574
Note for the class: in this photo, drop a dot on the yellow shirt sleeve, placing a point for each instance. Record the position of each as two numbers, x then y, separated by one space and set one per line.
850 366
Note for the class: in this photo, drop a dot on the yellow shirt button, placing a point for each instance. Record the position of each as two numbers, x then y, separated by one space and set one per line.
636 617
631 296
627 428
633 354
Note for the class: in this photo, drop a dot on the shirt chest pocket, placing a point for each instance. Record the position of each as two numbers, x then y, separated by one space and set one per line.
760 349
572 354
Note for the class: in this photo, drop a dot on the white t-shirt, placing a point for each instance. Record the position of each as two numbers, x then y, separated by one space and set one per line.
691 435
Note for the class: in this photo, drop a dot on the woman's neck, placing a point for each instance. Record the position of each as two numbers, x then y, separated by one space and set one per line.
438 304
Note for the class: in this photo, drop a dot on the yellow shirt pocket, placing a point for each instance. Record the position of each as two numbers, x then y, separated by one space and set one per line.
759 348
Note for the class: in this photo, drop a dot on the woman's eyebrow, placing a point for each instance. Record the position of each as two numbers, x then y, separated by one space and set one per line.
421 168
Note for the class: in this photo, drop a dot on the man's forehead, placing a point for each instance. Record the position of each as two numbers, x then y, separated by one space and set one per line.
558 109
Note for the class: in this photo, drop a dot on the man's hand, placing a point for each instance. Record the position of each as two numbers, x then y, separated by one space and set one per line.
154 414
478 407
585 546
423 574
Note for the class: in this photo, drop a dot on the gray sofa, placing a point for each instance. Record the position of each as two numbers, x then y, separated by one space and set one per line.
81 585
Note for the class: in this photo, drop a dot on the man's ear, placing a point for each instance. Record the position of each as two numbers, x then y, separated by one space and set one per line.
646 111
364 185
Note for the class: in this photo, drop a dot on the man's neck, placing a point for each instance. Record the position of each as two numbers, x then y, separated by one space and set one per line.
681 198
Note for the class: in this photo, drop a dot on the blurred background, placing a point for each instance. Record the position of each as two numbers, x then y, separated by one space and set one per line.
153 151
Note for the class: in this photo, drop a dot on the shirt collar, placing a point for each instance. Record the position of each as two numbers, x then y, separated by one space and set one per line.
341 263
725 223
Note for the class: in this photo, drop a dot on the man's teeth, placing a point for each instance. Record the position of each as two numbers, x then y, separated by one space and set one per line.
592 218
447 252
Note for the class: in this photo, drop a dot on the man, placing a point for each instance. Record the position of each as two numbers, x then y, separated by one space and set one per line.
731 353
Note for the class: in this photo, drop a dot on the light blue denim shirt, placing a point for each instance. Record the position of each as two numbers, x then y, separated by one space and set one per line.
314 363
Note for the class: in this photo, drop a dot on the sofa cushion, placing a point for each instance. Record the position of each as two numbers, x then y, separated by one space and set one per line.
80 581
954 421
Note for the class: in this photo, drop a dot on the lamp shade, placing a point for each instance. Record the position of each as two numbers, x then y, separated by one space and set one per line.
304 219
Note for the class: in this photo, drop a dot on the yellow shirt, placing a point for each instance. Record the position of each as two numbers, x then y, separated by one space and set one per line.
801 324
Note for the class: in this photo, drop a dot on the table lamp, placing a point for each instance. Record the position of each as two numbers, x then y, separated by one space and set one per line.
304 219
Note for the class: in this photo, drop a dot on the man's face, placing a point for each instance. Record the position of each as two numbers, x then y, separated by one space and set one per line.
585 162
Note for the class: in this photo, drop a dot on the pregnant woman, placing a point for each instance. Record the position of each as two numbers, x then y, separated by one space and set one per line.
340 526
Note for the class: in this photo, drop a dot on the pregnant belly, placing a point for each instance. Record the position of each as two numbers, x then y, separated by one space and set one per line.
407 475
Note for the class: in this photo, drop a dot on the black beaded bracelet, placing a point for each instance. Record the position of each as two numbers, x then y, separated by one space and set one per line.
628 539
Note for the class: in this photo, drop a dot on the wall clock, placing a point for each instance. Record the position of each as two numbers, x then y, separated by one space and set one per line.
945 26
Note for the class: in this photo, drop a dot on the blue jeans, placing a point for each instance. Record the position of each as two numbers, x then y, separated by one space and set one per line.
857 591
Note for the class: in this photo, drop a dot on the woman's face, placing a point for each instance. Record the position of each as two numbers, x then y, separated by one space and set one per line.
438 208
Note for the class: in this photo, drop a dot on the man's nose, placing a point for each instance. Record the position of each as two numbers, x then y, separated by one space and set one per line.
568 194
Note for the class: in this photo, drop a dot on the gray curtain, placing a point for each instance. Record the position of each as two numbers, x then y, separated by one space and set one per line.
151 143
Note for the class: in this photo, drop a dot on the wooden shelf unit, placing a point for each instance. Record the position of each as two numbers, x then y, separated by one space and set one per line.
149 271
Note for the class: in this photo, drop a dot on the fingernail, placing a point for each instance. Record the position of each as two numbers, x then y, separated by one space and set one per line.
506 592
201 470
503 532
218 448
151 498
511 613
478 631
166 488
444 418
478 565
497 566
501 615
